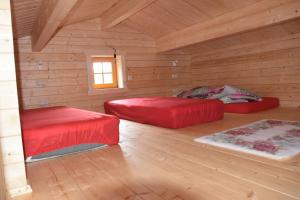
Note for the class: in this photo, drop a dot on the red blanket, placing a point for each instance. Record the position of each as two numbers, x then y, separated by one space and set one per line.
169 112
48 129
251 107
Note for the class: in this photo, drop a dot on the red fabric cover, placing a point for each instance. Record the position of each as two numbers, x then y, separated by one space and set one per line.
48 129
169 112
251 107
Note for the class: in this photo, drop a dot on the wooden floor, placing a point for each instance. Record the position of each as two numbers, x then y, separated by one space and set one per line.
153 163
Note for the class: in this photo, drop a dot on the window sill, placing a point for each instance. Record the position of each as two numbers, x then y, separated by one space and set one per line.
107 91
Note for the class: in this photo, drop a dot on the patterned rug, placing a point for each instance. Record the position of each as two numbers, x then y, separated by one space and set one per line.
273 139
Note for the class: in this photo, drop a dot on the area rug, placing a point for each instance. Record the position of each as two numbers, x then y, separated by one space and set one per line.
273 139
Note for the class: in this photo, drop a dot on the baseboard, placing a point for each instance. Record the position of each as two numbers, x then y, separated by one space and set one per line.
20 191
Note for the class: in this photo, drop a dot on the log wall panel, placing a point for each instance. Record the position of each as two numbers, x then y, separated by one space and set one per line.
3 191
12 157
58 75
269 67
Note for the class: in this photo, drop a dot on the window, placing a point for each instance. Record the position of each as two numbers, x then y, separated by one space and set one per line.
104 72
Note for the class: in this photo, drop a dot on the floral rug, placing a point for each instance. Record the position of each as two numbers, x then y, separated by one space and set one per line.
273 139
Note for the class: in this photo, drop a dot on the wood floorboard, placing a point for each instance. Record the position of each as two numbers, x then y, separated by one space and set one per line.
153 163
220 169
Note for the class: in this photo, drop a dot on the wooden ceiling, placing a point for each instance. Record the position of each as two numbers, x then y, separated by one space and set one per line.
173 23
24 16
166 16
26 12
90 9
259 36
159 18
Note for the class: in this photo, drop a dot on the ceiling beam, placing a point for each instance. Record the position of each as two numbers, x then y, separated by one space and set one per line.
51 16
261 14
121 11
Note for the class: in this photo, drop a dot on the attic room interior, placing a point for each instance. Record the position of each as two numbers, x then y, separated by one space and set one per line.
150 99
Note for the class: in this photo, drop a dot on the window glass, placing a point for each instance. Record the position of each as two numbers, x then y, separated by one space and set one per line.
97 66
98 78
108 78
107 67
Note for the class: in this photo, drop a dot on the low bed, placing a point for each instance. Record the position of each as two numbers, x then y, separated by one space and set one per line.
251 107
56 130
168 112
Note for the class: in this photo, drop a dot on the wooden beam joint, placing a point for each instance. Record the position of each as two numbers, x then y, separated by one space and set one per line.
52 14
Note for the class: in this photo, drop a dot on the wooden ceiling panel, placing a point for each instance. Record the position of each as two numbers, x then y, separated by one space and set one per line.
90 9
162 14
147 24
235 4
24 16
271 33
259 15
161 18
25 13
51 17
210 8
183 11
219 7
292 27
167 16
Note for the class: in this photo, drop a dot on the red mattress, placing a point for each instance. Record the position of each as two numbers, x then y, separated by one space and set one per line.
251 107
48 129
169 112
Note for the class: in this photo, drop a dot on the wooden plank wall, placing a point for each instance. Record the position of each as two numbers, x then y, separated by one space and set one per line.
58 75
2 178
12 156
266 61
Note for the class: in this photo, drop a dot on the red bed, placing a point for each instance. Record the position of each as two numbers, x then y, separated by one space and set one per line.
168 112
251 107
49 129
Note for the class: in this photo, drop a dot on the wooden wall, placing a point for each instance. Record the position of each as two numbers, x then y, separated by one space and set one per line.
265 61
12 157
58 75
2 178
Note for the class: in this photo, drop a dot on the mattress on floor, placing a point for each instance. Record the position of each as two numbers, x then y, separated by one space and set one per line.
49 129
251 107
168 112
